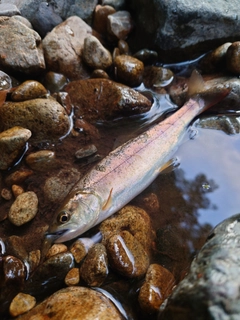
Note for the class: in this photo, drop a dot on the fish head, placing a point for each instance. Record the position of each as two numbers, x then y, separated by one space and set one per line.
78 214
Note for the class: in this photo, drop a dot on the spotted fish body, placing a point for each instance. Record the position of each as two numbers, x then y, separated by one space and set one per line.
125 172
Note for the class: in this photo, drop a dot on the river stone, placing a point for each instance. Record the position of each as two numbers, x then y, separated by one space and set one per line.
27 90
233 58
23 209
28 44
129 70
116 99
100 18
12 143
157 77
54 82
73 277
117 4
43 160
17 190
83 9
126 255
46 118
156 288
56 248
63 47
120 24
76 303
21 303
95 55
94 269
18 176
179 30
8 9
86 151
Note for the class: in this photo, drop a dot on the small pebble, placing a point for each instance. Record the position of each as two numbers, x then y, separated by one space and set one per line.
119 25
54 82
17 190
55 249
29 89
157 77
24 208
100 18
95 55
123 47
233 57
6 194
99 73
13 271
73 277
146 56
34 258
129 70
157 287
79 249
94 269
18 177
21 303
43 160
86 151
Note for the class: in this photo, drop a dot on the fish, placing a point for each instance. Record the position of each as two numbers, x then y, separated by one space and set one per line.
127 170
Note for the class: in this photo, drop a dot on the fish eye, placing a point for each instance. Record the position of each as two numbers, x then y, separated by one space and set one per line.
64 217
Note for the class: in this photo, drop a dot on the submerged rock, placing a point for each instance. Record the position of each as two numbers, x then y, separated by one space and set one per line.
21 304
102 99
211 289
76 303
28 90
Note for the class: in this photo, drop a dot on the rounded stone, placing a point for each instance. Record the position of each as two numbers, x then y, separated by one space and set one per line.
119 25
54 82
158 285
55 249
78 303
233 57
29 89
43 160
99 73
17 190
100 18
12 143
24 208
46 118
21 303
94 269
127 255
18 177
157 77
95 55
79 250
13 271
73 277
86 151
129 70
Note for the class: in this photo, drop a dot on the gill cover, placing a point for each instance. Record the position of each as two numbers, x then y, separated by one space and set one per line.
78 214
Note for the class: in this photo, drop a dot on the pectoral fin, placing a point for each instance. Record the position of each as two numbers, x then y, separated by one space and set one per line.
108 203
170 165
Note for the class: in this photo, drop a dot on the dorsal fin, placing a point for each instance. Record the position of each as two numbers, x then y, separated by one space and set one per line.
195 83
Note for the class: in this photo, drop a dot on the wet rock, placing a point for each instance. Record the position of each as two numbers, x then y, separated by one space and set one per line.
116 99
24 208
146 56
5 81
63 47
43 160
54 82
12 143
120 24
34 260
98 73
50 275
56 249
46 118
21 303
45 19
94 269
123 47
29 89
117 4
95 55
64 99
27 43
86 128
73 277
133 219
157 77
211 288
157 287
127 255
56 188
228 124
18 176
86 151
6 194
100 18
129 70
215 60
8 9
77 303
17 190
80 248
233 57
15 247
13 271
179 31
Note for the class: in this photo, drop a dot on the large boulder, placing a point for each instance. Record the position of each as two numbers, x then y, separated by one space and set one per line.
181 29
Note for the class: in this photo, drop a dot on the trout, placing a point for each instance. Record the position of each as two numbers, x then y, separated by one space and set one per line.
127 170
